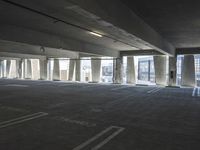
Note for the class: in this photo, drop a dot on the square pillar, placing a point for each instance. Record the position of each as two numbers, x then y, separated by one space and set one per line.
117 70
130 70
8 65
19 69
56 70
43 69
161 74
28 69
78 70
188 72
172 71
72 63
96 68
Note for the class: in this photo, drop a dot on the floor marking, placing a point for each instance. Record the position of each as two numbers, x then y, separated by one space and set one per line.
154 90
194 92
17 85
119 129
22 119
82 123
118 88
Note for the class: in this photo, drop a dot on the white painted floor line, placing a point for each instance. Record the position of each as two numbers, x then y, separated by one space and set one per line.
154 90
119 129
194 92
118 88
22 119
17 85
107 139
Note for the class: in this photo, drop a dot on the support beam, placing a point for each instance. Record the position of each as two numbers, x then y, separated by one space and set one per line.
140 52
121 17
43 69
56 70
96 68
188 73
72 63
161 74
130 70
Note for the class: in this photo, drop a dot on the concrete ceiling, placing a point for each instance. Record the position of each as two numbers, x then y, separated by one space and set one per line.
76 26
177 21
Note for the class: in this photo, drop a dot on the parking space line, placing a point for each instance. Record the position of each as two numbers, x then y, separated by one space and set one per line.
16 85
196 92
120 88
83 145
154 90
22 119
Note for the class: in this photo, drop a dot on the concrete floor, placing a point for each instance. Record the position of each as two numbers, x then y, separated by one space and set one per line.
135 118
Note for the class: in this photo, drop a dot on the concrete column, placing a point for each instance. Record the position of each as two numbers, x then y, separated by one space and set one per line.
28 69
23 68
71 69
43 69
78 70
188 72
8 65
96 68
19 69
130 70
0 68
160 65
172 71
117 70
56 70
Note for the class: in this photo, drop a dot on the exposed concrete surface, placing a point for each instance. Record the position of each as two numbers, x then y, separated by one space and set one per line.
43 69
117 70
78 71
56 70
167 119
172 71
160 64
188 72
28 69
130 70
72 64
96 69
8 65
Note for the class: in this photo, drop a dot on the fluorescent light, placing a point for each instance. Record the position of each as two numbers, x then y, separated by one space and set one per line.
96 34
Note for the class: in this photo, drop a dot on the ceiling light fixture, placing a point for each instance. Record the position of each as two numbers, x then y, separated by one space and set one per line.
96 34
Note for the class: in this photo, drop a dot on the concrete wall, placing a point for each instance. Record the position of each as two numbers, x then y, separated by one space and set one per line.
188 72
